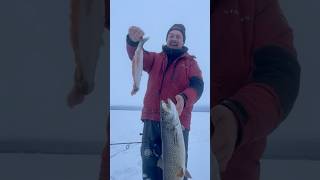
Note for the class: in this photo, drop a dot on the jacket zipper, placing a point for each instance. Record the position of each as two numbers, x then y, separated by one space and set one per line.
165 71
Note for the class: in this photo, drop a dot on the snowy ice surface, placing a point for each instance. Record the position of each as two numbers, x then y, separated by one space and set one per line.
125 161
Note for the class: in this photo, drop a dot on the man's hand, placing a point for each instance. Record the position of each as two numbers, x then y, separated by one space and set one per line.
180 104
135 33
225 134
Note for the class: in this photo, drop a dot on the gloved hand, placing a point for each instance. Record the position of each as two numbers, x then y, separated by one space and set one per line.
180 104
135 33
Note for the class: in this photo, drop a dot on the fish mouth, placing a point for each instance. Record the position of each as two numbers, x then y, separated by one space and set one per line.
167 110
164 110
167 106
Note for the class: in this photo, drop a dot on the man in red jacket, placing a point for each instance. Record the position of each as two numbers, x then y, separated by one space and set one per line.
255 81
174 74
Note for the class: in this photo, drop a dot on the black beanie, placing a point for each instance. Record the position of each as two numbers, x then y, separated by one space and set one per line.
178 27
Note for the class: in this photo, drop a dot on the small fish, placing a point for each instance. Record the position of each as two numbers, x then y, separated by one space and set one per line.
87 26
173 157
137 66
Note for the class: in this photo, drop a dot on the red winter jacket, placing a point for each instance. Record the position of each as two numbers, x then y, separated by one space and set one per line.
164 83
255 73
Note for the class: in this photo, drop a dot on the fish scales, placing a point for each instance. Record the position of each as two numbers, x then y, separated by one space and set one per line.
137 66
173 147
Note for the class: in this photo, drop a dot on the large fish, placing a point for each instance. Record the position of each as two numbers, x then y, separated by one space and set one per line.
137 66
173 157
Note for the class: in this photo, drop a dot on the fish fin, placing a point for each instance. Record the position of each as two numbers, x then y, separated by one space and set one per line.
187 174
134 91
180 172
160 163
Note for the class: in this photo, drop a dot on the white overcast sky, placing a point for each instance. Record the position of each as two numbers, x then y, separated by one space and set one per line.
155 18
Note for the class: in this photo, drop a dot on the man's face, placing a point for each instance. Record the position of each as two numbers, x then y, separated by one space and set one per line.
175 39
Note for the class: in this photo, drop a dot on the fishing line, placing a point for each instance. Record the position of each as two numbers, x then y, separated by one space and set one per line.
127 147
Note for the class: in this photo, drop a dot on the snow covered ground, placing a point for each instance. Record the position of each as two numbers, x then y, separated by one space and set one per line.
126 161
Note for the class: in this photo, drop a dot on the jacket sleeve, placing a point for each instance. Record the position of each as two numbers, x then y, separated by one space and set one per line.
196 85
148 57
262 104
